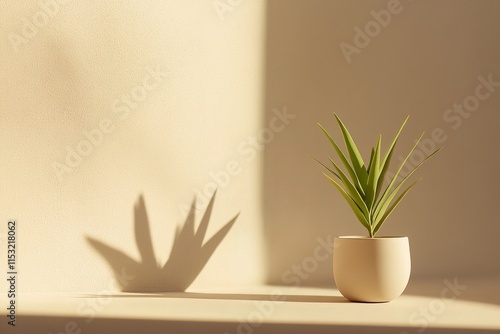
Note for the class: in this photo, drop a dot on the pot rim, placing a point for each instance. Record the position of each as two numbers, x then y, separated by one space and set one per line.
359 237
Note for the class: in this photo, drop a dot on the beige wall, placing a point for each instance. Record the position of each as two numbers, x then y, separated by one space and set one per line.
426 59
69 76
222 76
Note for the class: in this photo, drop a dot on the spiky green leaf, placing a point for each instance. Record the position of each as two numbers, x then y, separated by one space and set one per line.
378 224
371 159
387 190
343 158
373 176
355 208
328 168
351 190
356 159
387 160
385 200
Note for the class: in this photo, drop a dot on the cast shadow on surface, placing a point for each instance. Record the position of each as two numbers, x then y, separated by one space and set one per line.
187 258
236 296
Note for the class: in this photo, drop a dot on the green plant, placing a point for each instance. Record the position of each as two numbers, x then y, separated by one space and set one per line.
363 188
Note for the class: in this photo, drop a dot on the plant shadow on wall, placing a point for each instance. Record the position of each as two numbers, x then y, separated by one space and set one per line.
187 258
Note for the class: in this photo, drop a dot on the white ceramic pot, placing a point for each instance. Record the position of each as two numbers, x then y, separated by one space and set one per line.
371 269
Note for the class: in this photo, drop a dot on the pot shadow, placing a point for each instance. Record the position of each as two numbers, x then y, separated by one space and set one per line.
187 258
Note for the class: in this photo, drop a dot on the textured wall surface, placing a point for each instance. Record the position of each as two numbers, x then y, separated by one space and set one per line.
423 60
174 87
105 101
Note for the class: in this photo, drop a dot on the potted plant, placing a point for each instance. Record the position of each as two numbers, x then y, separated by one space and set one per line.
370 268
